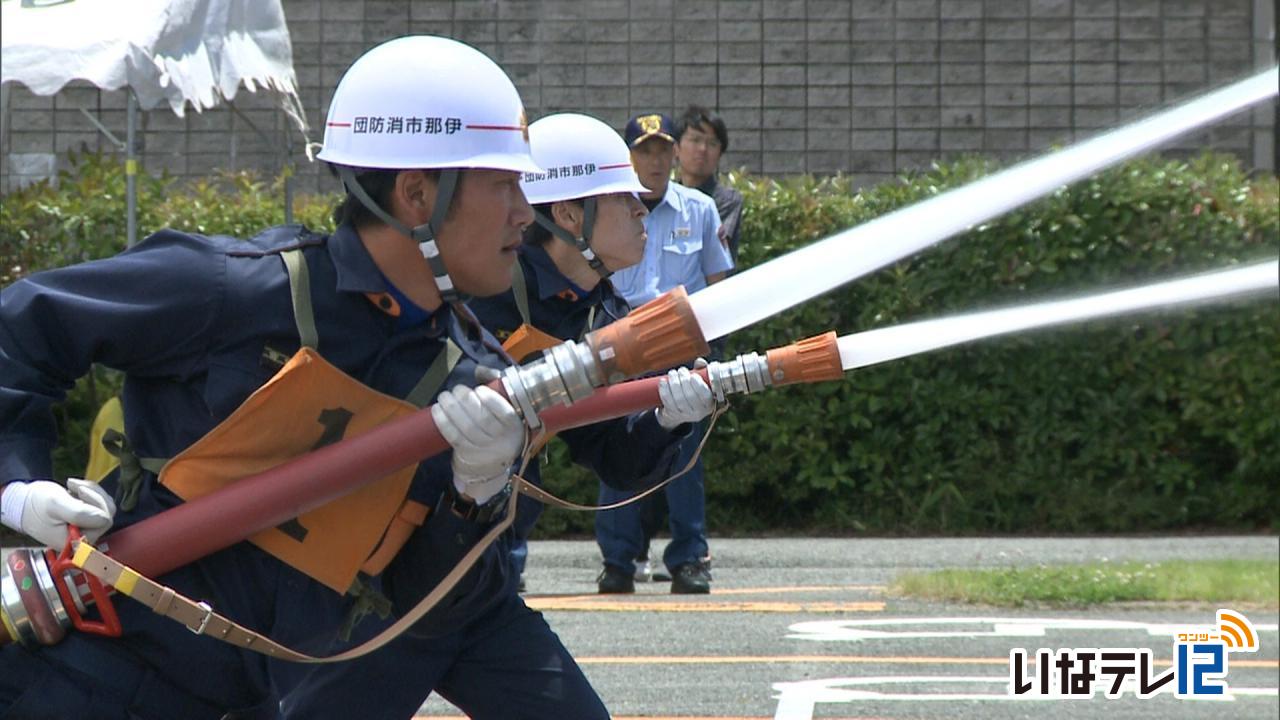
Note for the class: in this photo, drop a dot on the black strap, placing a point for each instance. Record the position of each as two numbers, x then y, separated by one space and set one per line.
589 226
424 234
520 292
427 242
583 244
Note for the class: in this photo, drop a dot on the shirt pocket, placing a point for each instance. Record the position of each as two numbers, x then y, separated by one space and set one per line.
681 260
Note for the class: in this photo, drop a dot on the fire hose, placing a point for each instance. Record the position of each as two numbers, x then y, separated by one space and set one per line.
36 586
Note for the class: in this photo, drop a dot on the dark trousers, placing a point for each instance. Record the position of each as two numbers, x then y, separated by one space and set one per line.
159 670
506 663
621 535
40 685
527 512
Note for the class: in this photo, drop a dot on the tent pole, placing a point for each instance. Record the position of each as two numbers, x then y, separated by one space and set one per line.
131 170
288 174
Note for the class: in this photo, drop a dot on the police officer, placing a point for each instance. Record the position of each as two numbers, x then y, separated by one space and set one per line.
683 249
588 223
428 135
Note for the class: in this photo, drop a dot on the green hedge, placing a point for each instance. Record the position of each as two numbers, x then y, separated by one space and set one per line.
1152 423
1158 422
82 217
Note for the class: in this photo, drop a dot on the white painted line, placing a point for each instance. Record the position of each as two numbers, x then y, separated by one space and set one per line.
798 700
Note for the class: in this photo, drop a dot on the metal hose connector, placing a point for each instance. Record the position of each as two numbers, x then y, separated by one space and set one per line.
565 374
30 607
747 373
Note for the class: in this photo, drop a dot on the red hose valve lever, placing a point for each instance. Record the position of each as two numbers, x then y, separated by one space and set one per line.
63 568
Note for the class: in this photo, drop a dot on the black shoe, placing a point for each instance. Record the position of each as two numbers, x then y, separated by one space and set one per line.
614 581
691 579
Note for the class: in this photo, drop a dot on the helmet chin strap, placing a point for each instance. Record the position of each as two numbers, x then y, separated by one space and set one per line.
425 234
583 244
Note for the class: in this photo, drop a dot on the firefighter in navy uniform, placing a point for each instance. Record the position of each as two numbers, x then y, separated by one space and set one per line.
588 223
428 135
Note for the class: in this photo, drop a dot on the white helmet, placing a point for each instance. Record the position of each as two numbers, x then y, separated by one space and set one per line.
582 158
425 103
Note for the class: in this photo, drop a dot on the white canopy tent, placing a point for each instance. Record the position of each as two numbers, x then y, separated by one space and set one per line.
170 52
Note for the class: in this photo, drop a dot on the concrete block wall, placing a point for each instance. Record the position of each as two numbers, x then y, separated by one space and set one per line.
863 87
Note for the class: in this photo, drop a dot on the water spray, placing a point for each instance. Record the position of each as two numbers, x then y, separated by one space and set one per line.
673 330
826 357
884 344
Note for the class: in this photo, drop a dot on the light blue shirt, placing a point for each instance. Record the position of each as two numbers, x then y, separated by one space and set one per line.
683 248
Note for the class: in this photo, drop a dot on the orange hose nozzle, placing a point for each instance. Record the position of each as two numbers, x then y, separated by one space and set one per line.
658 335
810 360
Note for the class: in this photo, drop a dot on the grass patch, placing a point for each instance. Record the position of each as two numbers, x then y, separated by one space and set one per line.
1210 581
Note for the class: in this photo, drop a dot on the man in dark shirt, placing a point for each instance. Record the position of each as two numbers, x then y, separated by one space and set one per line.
701 140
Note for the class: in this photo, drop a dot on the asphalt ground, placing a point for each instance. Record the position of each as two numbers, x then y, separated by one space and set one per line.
785 632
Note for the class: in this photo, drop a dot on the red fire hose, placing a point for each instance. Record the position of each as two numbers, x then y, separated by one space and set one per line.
204 525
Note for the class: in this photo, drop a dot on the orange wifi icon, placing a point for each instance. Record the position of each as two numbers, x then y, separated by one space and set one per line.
1237 631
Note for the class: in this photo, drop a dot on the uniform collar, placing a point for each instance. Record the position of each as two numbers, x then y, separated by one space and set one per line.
407 313
355 267
672 197
708 188
358 273
550 281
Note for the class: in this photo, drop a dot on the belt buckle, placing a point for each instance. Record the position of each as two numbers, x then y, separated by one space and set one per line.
204 622
476 512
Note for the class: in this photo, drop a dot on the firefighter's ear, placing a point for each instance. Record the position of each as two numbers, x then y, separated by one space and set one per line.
414 193
568 215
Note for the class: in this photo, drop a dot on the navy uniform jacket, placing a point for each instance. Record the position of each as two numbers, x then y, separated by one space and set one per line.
630 453
188 318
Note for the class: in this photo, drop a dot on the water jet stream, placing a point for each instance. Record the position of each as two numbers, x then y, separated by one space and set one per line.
883 344
770 288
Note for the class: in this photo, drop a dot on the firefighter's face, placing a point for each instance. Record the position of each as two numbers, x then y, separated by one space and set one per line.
619 237
478 239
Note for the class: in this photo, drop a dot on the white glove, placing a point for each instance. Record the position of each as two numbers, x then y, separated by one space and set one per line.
486 435
43 509
685 397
